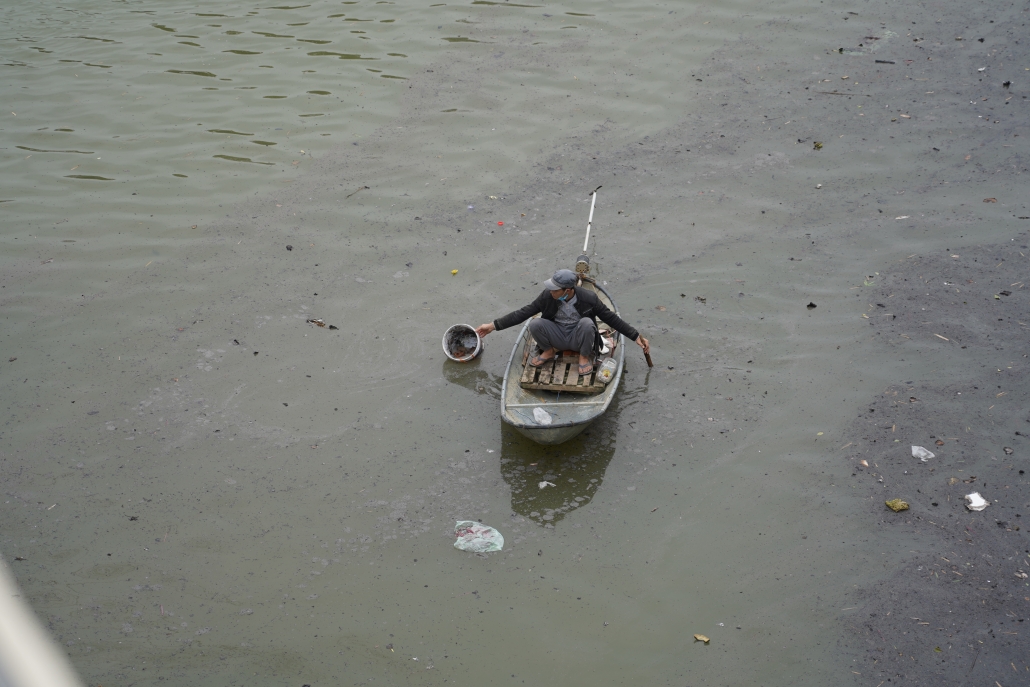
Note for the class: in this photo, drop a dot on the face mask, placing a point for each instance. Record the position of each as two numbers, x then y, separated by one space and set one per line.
564 297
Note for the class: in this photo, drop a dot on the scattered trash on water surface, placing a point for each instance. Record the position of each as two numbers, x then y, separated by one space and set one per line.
477 537
454 272
864 463
289 247
897 505
811 306
1008 450
542 417
318 322
818 145
990 200
976 502
701 638
921 453
546 484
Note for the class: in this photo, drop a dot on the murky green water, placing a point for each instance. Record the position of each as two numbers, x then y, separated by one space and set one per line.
209 490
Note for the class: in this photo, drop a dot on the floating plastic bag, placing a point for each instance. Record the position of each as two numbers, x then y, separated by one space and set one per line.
921 453
477 537
542 417
976 502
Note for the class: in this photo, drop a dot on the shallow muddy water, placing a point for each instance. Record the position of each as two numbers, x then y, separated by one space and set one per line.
208 489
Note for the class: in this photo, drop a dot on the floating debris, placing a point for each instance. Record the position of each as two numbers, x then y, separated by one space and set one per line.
897 505
921 453
976 502
477 537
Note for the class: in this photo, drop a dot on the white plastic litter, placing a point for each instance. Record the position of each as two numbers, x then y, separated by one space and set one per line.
546 484
542 417
976 502
921 453
477 537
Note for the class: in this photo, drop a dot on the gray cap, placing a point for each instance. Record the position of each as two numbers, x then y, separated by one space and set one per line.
562 279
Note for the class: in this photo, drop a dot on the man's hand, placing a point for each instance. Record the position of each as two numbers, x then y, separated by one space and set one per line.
484 329
643 343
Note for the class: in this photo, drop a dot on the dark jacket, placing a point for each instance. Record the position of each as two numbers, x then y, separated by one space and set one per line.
587 305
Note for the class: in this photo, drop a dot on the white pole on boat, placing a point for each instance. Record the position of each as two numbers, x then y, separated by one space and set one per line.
590 220
583 262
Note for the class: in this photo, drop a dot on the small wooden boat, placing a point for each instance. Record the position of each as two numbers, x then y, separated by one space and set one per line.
569 403
552 403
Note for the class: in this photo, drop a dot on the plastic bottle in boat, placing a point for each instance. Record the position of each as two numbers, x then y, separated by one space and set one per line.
607 370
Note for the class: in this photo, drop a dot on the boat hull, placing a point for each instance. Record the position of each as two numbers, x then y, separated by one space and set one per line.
549 436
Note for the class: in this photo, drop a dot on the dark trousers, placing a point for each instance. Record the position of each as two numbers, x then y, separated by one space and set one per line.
549 335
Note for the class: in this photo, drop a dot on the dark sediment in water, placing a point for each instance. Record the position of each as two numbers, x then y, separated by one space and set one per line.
958 610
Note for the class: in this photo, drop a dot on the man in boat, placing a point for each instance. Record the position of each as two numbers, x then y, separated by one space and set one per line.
567 321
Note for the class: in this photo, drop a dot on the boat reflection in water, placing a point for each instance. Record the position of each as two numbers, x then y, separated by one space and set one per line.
576 469
472 377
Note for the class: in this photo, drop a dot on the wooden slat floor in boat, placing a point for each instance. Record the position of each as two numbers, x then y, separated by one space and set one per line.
560 375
